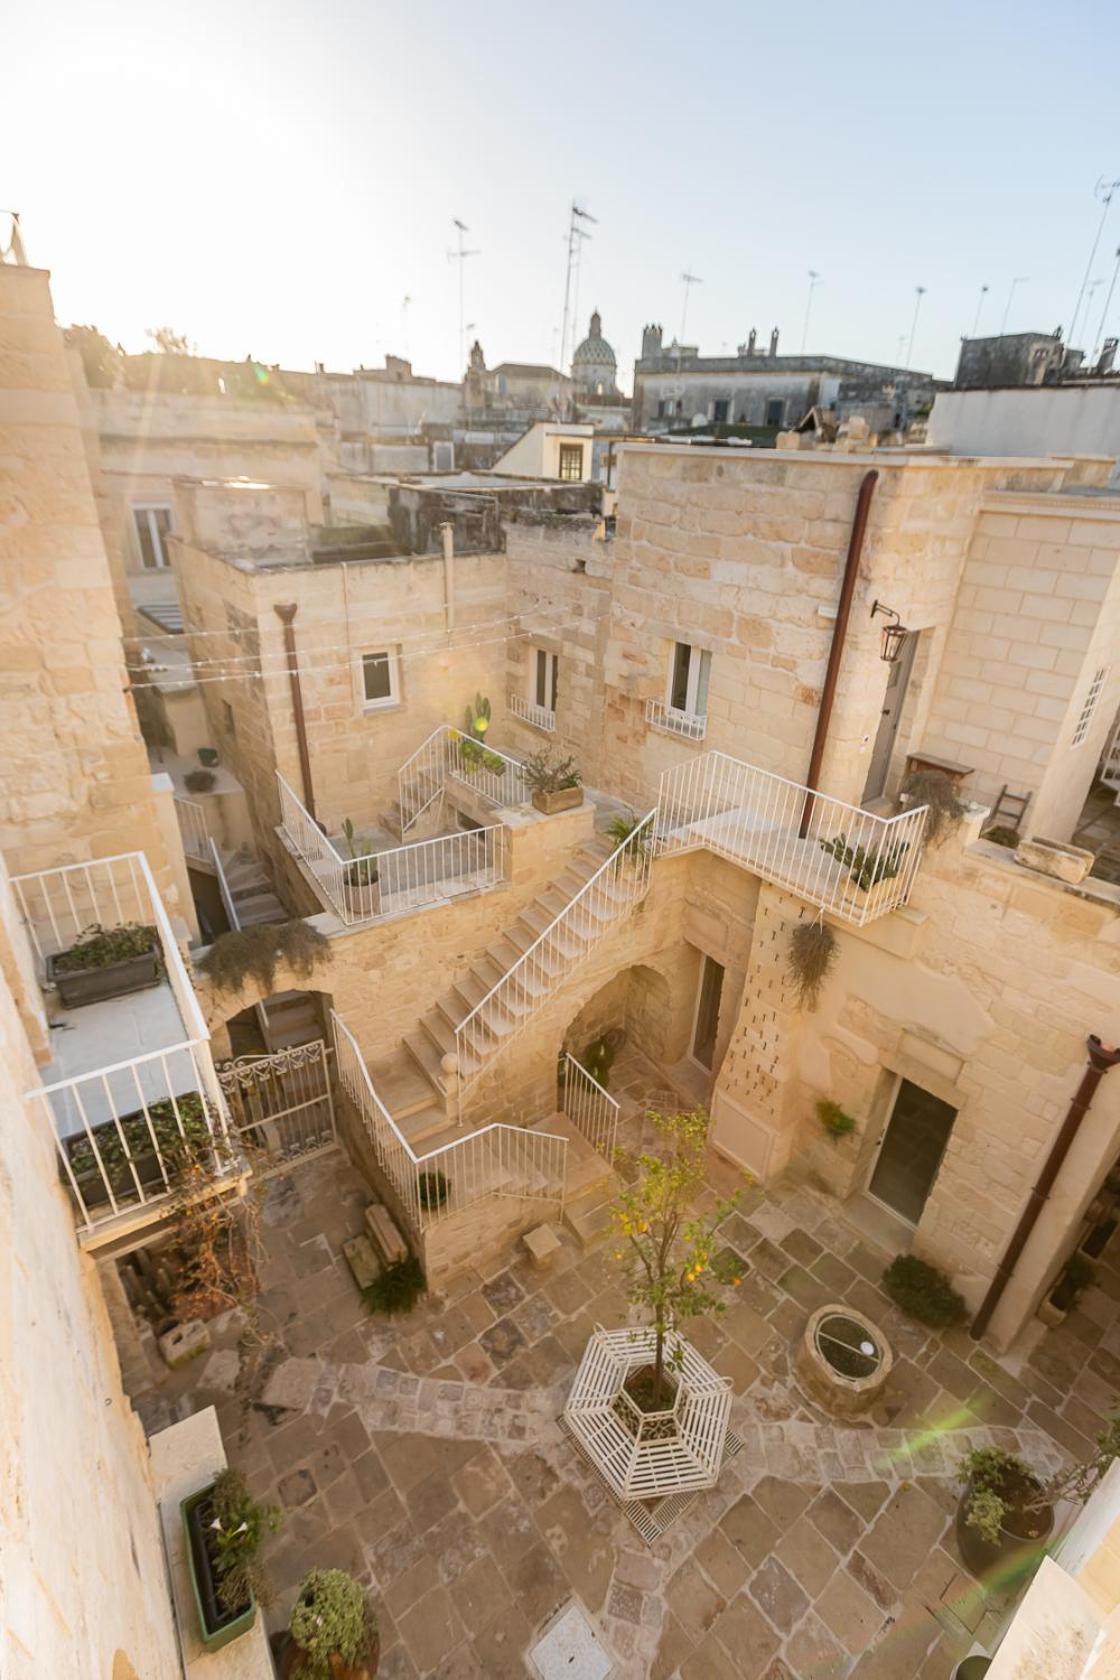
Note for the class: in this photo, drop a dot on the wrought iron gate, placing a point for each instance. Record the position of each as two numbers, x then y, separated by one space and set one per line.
281 1105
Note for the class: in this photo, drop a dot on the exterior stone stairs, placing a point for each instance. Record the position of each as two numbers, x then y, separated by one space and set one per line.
434 1036
424 789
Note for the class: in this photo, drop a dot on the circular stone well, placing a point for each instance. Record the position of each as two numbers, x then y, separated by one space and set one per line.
843 1360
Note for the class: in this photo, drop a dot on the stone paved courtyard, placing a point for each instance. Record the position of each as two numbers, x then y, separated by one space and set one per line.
423 1453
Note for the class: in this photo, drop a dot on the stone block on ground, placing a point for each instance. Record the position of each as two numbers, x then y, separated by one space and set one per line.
382 1227
184 1343
361 1260
541 1244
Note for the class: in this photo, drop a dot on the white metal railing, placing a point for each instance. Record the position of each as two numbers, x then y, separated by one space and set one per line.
497 1160
511 1002
192 828
848 861
591 1109
224 893
281 1104
541 717
686 724
124 1130
374 885
1110 763
449 752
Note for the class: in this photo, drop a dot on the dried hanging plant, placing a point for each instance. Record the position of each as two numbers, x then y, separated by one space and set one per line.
935 789
812 952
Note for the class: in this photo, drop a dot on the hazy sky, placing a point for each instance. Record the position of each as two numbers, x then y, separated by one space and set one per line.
275 178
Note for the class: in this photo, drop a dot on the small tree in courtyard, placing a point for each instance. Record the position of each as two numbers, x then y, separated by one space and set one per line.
670 1257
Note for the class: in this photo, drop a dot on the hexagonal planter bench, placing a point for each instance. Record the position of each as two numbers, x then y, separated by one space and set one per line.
640 1454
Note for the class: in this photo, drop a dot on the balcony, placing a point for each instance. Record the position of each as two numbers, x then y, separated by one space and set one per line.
370 885
539 716
854 864
671 722
130 1096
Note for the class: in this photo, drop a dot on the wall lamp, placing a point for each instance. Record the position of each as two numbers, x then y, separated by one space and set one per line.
893 634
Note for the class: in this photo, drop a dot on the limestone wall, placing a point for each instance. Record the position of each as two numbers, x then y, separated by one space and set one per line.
74 777
83 1588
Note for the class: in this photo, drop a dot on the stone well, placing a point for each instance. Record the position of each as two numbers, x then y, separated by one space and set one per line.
843 1360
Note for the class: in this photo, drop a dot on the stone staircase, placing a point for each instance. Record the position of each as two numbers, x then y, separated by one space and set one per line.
289 1017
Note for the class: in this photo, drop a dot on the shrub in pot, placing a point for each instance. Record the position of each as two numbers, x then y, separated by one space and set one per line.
629 836
334 1634
114 1154
555 782
924 1292
868 866
199 781
1077 1275
225 1531
105 963
434 1189
1006 1512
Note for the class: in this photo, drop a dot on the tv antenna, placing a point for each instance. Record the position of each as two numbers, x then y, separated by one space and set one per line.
576 236
460 256
814 282
688 280
920 292
1103 191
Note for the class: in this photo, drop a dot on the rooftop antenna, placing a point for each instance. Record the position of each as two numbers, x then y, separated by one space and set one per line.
1099 345
1019 280
814 282
405 301
689 281
920 292
979 306
576 236
1103 191
460 256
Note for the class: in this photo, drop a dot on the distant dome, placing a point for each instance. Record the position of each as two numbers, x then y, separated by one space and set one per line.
594 365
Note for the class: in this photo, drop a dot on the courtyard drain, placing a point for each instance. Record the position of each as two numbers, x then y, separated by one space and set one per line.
570 1649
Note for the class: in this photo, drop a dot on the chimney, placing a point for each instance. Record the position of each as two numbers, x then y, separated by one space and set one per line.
651 342
751 339
1108 356
774 342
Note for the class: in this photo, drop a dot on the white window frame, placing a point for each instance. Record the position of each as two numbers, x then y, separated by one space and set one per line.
697 682
551 679
1089 704
393 698
163 564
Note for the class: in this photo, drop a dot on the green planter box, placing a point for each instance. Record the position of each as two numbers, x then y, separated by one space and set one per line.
216 1626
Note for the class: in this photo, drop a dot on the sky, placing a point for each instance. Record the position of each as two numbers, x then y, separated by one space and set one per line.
275 179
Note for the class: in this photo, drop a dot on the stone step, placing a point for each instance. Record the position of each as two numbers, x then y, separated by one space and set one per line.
426 1128
400 1085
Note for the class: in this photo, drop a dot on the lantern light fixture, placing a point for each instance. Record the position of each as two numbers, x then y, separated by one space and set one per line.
894 634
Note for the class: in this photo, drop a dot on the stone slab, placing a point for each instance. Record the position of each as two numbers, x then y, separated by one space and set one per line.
292 1384
382 1227
570 1649
361 1260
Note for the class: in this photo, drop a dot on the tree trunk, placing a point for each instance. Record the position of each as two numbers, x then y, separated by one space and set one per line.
658 1368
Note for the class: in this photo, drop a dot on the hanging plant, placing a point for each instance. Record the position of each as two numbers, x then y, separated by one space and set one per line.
937 790
812 952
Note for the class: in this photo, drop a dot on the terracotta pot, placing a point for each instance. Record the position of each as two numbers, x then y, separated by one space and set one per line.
291 1664
1011 1557
564 799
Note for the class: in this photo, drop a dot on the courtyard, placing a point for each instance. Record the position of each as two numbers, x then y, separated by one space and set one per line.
423 1453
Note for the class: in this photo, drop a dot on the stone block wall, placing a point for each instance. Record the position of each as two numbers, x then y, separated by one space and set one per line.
74 776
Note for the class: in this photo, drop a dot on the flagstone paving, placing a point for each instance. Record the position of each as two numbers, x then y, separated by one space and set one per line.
424 1454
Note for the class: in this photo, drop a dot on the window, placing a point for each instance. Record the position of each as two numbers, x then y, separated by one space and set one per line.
1089 705
775 412
720 412
571 462
661 409
688 680
545 669
379 679
229 722
153 525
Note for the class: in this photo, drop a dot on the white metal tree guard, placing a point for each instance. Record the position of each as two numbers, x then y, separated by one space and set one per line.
649 1455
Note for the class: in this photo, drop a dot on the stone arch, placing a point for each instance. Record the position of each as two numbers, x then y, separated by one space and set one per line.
650 1001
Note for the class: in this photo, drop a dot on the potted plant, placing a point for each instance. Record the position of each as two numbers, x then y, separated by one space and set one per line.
434 1189
208 756
630 836
555 782
1073 1280
105 963
923 1292
812 953
834 1120
333 1630
473 756
199 781
1005 1514
225 1530
868 866
114 1155
360 870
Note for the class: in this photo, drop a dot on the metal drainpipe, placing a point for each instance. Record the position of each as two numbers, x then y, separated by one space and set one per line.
1101 1058
447 535
286 614
839 634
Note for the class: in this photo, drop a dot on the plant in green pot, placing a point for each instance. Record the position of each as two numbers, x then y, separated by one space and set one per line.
225 1532
105 963
334 1633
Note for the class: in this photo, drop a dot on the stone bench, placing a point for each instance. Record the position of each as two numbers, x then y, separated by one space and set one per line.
382 1227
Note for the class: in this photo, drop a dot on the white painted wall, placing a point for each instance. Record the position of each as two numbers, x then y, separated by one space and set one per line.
1042 420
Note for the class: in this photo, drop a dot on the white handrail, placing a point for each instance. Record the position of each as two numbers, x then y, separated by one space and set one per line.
541 717
852 862
542 958
192 826
590 1107
224 893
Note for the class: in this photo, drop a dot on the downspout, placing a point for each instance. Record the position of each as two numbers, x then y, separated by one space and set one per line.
839 634
1101 1058
286 615
447 533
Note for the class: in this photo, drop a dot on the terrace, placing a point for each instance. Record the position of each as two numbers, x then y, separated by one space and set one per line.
423 1453
131 1088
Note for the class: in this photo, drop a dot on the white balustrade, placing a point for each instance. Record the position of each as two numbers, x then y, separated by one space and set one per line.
497 1160
848 861
373 885
541 717
499 779
192 828
591 1109
686 724
510 1003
